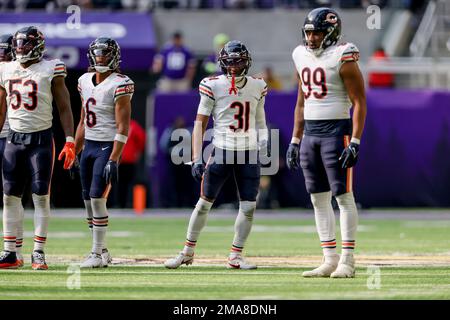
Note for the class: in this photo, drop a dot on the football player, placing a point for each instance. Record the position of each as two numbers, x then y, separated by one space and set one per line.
325 140
27 86
103 129
6 55
236 103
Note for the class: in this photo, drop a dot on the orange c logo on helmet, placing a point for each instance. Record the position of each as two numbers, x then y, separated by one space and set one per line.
331 18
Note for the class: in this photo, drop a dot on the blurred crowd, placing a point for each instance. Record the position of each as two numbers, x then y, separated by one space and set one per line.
147 5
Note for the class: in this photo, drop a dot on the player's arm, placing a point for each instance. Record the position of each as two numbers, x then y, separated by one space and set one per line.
123 117
293 152
261 125
62 99
354 84
3 107
200 124
79 135
299 119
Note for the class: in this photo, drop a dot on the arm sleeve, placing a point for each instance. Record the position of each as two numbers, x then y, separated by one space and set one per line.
60 69
207 99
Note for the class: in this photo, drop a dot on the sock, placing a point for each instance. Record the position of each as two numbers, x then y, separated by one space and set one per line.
196 224
41 218
348 222
89 213
242 226
19 234
11 214
325 221
100 224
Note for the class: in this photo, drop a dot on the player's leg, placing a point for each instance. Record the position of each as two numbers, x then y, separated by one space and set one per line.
214 177
98 194
247 178
319 190
41 160
14 177
341 181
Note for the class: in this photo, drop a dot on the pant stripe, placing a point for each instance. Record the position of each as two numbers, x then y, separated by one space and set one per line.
349 182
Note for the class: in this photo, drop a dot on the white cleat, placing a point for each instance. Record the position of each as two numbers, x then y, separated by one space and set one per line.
345 268
180 259
329 264
237 262
94 260
106 257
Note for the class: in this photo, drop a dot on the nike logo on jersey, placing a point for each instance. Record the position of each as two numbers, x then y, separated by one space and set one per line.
104 148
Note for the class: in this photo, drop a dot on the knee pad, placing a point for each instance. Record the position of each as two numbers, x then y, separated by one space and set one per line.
345 199
247 208
203 206
40 187
99 207
321 200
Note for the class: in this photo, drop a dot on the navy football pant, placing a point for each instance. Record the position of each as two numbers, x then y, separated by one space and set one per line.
245 175
28 155
94 157
319 159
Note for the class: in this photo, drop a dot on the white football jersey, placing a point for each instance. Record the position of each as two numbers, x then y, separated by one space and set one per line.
323 88
30 93
99 104
237 117
5 129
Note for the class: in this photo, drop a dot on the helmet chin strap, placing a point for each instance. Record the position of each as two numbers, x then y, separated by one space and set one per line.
102 69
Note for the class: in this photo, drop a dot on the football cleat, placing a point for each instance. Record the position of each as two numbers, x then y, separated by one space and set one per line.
106 257
20 259
345 268
8 260
329 264
238 262
180 259
94 260
38 260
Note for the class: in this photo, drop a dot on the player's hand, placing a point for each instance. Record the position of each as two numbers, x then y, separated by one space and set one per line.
111 172
349 156
74 171
293 156
197 170
68 152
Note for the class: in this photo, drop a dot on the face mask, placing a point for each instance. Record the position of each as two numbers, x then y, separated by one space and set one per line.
101 69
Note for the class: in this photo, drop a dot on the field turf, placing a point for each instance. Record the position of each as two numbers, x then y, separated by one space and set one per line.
411 257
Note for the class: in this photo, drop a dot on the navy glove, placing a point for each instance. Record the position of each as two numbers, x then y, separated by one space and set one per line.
197 171
293 156
349 156
74 171
111 172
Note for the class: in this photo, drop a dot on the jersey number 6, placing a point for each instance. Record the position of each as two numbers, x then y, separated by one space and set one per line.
91 118
319 79
242 115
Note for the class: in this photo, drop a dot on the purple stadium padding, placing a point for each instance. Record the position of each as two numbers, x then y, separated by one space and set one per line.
68 38
405 151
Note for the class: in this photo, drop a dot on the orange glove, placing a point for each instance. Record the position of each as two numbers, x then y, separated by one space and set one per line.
69 152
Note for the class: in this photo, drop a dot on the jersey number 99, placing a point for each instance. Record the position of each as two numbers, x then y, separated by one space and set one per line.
318 78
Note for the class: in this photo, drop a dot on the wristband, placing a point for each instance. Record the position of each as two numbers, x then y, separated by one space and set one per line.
295 140
70 139
120 138
355 140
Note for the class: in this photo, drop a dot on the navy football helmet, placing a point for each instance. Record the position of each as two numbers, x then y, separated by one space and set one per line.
6 53
28 44
234 55
325 20
104 47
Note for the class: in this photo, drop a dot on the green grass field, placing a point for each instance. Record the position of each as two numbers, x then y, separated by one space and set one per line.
412 258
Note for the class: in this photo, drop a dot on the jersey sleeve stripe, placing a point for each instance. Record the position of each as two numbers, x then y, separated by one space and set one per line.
205 86
206 91
207 95
122 94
